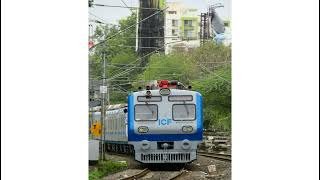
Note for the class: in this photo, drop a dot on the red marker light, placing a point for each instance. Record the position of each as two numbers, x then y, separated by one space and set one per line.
91 44
163 83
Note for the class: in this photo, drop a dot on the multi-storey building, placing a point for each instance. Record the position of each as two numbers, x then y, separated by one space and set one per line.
181 27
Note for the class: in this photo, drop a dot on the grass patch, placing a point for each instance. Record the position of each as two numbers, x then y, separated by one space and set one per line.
105 168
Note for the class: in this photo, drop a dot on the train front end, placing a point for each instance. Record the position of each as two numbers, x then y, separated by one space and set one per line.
165 125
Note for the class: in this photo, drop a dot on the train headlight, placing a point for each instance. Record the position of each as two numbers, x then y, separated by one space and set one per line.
164 91
145 145
187 129
186 144
143 129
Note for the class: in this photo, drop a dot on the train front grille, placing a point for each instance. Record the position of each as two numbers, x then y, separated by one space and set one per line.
164 157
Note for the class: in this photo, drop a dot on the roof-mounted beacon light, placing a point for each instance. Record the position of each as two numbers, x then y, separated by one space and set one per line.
165 91
163 83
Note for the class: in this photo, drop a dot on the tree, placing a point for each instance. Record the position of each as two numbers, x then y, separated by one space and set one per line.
216 92
212 56
172 67
120 52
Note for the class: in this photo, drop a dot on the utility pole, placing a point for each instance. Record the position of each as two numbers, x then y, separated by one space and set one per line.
137 30
103 91
91 96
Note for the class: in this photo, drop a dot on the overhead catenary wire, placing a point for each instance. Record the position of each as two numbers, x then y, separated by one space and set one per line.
151 37
129 70
203 67
141 58
103 21
141 47
128 7
199 65
140 67
121 31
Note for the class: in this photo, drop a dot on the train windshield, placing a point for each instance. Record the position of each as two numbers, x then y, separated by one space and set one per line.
184 112
145 112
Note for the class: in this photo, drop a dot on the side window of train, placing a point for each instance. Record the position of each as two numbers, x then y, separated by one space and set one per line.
146 112
185 112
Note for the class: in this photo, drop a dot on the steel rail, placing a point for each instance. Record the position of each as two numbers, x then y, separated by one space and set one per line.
225 157
137 175
181 172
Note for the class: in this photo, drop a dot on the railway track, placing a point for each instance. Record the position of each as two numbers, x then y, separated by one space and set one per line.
145 171
181 172
138 175
224 157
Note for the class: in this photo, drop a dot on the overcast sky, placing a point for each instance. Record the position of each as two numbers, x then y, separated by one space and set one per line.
113 15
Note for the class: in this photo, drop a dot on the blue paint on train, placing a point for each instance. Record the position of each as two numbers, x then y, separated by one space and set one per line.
164 137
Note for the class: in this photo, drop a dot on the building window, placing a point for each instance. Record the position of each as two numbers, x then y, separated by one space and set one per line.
174 32
174 23
226 23
172 12
188 33
188 23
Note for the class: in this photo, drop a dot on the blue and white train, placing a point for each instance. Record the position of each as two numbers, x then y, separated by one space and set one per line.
164 124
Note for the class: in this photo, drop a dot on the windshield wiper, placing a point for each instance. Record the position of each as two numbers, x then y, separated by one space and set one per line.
149 108
185 106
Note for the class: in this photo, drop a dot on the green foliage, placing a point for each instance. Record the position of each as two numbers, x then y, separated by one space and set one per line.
121 62
117 97
118 48
207 68
216 92
104 168
211 56
175 66
212 52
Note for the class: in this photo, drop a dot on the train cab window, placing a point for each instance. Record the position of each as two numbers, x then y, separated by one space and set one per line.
182 112
146 112
150 99
180 98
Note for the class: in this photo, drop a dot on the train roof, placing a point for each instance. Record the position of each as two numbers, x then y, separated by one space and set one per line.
172 92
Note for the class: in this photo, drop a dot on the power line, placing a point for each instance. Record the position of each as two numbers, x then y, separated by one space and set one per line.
151 37
120 64
203 67
139 47
140 67
199 65
145 56
127 71
104 21
112 36
128 7
142 58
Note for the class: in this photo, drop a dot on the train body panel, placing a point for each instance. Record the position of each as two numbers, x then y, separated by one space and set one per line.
115 124
161 125
171 125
